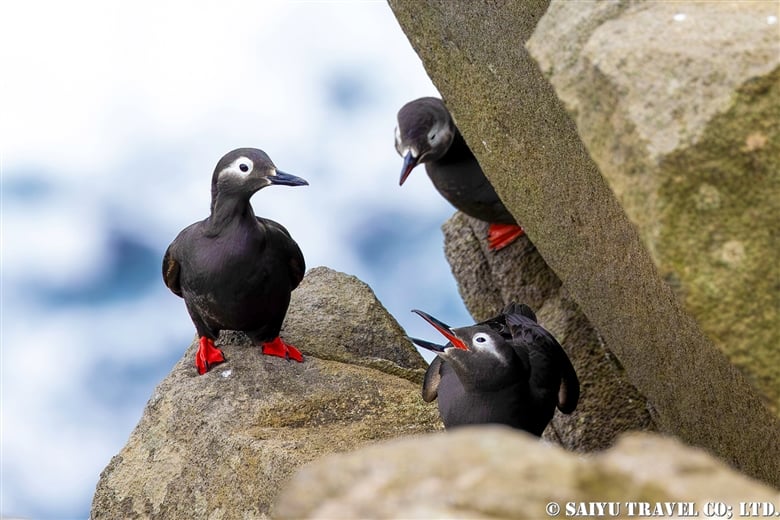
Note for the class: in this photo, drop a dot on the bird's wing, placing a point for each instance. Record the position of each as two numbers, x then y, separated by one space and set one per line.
297 263
499 322
171 265
521 309
171 270
430 389
551 369
569 393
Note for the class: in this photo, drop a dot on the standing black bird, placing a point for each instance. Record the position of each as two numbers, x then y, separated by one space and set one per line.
506 370
427 134
236 270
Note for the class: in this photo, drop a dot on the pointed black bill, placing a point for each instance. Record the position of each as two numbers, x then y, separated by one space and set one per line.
427 345
410 161
443 328
286 179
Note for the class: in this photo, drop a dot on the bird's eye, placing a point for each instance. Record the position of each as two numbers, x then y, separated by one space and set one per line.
244 167
480 338
432 137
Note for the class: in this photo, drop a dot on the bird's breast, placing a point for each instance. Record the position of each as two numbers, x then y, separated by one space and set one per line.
465 186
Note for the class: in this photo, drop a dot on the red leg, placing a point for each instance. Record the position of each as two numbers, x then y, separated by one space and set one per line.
208 355
277 347
501 235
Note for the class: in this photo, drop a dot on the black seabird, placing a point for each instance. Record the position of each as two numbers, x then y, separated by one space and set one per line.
506 370
236 270
427 134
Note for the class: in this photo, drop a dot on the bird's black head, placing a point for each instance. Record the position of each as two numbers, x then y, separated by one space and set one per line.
424 133
478 340
244 171
481 356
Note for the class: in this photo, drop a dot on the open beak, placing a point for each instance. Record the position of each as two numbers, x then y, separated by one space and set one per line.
433 347
286 179
444 329
410 162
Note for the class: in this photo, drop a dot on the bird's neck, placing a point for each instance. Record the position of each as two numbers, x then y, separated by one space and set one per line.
227 210
458 151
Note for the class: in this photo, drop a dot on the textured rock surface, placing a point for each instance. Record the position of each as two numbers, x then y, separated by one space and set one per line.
530 150
221 445
487 281
500 473
687 135
339 318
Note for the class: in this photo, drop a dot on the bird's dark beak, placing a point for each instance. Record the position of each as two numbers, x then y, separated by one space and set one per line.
444 329
410 162
433 347
286 179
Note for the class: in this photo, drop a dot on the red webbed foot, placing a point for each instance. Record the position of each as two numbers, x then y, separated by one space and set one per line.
207 356
501 235
277 347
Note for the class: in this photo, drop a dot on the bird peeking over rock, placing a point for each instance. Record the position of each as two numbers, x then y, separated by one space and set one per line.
426 134
505 370
236 270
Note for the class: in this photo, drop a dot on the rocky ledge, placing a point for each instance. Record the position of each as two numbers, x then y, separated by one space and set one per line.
221 445
491 472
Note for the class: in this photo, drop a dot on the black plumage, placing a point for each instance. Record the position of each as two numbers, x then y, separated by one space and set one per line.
426 134
506 370
236 270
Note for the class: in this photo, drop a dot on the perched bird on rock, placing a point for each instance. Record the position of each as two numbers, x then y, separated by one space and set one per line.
236 270
506 370
426 134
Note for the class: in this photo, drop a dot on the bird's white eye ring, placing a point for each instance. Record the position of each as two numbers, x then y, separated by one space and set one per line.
480 337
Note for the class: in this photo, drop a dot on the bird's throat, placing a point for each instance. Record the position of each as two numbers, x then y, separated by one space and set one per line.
226 211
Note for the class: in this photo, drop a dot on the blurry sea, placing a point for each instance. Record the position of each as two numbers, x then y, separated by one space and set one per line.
113 118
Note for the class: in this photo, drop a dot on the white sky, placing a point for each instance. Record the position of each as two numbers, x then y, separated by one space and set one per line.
122 109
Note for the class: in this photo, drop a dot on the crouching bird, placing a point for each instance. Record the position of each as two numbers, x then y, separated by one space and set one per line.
506 370
426 134
236 270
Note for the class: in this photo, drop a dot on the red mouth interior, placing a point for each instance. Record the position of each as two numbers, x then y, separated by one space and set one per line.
445 330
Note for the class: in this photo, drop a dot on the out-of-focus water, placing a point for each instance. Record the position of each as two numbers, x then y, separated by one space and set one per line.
113 118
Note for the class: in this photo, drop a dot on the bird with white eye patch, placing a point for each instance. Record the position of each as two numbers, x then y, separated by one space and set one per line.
506 370
236 270
483 341
426 134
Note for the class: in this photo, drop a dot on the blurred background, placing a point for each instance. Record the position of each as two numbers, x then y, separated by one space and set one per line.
113 116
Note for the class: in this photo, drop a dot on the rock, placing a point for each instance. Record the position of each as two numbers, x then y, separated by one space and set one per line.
503 473
530 149
686 134
487 281
339 318
221 445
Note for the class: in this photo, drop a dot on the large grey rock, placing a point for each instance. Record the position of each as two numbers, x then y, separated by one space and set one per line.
339 318
530 150
686 133
221 445
487 281
494 473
